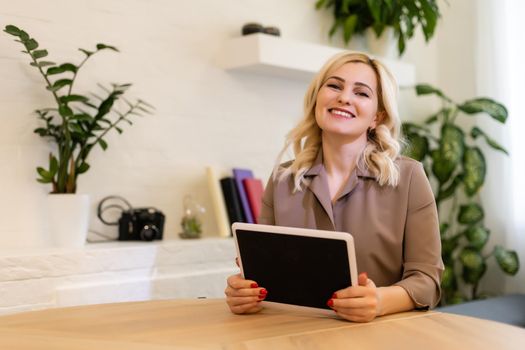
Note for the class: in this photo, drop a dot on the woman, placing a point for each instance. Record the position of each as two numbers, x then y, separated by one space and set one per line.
348 176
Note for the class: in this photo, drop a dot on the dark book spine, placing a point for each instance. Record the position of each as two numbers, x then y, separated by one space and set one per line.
231 197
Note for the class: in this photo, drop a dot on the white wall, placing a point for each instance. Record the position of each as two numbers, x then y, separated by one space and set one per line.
204 116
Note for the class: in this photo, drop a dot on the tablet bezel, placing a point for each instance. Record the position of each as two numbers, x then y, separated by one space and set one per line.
347 237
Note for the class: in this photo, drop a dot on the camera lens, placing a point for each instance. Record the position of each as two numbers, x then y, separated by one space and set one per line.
149 232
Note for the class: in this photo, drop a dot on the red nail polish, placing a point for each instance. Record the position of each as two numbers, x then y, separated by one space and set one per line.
254 285
263 292
330 303
366 275
261 297
334 296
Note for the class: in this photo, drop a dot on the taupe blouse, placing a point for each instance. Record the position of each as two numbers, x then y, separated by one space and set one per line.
395 229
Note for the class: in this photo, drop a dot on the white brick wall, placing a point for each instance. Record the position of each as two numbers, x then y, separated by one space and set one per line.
115 272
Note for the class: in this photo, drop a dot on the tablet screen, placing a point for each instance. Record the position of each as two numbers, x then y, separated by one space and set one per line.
297 270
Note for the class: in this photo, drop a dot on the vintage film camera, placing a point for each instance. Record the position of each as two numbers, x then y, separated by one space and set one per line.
135 224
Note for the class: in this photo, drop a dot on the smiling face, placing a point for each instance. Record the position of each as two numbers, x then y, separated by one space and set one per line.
347 102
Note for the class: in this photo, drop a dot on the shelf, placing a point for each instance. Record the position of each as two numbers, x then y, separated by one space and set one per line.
115 272
271 55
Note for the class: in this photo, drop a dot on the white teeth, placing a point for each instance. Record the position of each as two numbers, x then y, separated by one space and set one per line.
342 113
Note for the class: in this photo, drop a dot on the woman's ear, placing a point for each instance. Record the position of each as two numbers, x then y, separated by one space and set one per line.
380 116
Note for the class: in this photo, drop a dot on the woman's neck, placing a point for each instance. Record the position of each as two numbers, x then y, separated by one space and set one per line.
340 160
339 157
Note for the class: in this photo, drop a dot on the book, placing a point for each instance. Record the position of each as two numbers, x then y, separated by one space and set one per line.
231 199
254 192
239 175
219 205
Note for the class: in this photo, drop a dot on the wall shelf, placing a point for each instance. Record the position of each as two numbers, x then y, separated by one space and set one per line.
267 54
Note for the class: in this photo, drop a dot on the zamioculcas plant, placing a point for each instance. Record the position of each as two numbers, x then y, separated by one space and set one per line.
457 168
403 16
76 123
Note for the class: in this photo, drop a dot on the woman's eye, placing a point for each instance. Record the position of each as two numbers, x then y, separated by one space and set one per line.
333 86
360 93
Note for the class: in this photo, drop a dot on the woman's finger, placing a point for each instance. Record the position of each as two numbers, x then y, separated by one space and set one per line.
237 282
246 308
354 303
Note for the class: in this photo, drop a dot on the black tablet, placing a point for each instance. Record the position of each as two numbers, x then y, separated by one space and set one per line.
300 268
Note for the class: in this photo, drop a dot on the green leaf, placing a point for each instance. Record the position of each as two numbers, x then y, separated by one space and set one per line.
457 298
65 111
82 168
57 85
103 144
448 281
417 147
448 246
486 105
319 4
375 9
83 117
119 130
470 214
104 47
76 128
401 43
471 258
66 67
30 44
431 14
349 28
475 132
41 131
39 54
508 260
42 64
11 29
432 119
426 89
477 236
443 228
473 275
474 170
450 152
44 174
334 27
87 52
53 165
73 98
450 190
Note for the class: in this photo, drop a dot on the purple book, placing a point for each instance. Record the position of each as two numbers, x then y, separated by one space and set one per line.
239 175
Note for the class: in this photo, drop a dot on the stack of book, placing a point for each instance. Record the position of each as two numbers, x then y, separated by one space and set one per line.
236 198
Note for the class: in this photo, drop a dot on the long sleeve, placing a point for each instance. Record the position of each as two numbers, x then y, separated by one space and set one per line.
422 266
267 217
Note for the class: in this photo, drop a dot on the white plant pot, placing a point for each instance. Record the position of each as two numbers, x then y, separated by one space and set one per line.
384 46
68 219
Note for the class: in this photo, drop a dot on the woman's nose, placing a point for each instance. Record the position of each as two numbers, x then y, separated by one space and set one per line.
345 97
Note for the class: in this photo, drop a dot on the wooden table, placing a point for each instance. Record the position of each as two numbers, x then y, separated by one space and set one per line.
208 324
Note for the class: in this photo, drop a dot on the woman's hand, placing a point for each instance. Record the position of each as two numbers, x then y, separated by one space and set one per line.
358 303
243 296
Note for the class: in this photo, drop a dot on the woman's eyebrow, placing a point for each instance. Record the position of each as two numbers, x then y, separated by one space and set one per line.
336 78
358 83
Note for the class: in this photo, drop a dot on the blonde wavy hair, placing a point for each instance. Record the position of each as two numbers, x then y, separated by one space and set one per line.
383 145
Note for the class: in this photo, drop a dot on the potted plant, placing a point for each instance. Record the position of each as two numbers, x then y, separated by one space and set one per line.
457 167
75 124
380 17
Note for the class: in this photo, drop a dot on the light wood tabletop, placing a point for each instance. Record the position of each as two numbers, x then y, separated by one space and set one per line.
208 324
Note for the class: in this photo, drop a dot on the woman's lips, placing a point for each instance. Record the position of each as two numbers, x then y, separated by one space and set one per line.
341 113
